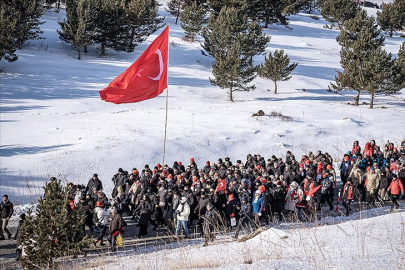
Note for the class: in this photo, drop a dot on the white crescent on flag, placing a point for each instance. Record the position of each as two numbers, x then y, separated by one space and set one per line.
162 66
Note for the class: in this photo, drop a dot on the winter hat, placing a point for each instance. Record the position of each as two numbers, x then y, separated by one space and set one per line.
95 175
179 163
170 176
191 159
183 200
294 185
329 167
262 189
207 163
159 166
258 192
324 175
120 170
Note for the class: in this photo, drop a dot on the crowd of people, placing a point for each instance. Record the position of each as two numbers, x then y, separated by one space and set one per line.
242 194
234 196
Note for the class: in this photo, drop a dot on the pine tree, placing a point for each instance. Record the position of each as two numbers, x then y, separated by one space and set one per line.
338 11
111 29
392 17
233 41
217 5
175 8
192 19
19 22
367 67
400 67
78 28
142 19
276 68
54 231
271 12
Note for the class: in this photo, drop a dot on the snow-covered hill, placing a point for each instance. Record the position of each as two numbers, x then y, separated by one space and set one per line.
53 122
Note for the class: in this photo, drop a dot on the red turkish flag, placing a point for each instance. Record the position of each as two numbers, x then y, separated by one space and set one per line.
221 185
144 79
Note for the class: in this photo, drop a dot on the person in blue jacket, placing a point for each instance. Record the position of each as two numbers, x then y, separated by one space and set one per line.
257 207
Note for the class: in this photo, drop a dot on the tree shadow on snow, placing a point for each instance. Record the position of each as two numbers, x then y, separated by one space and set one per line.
316 94
12 150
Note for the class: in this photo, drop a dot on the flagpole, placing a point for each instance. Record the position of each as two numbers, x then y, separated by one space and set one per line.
167 102
164 142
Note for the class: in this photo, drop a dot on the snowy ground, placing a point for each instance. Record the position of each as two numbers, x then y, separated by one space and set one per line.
342 243
53 122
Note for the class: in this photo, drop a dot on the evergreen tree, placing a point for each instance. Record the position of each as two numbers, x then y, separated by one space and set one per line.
271 12
338 11
111 29
54 231
19 22
192 19
392 17
77 29
366 66
232 40
142 19
217 5
175 8
276 68
400 67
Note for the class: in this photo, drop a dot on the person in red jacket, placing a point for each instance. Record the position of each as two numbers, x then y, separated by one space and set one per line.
396 187
348 195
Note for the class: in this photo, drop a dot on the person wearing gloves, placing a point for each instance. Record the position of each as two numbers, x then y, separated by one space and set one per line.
183 211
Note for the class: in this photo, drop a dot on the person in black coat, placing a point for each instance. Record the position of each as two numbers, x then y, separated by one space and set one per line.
232 209
7 210
145 209
94 182
245 216
201 209
277 195
210 222
118 180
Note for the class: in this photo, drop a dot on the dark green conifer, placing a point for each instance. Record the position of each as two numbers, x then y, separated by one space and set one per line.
338 11
192 19
276 68
232 40
367 67
56 230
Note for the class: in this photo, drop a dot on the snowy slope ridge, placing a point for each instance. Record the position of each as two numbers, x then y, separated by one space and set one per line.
53 122
373 243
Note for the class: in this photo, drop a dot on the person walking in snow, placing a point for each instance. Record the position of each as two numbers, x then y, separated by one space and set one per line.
210 221
348 195
326 183
372 183
396 187
183 212
257 207
6 209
